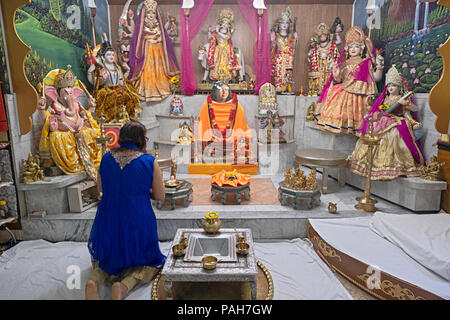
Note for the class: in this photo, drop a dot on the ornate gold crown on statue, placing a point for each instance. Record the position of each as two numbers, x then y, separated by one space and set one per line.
65 78
151 5
228 16
286 15
354 35
394 77
322 29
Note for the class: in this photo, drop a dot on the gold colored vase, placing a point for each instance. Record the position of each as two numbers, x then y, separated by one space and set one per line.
211 224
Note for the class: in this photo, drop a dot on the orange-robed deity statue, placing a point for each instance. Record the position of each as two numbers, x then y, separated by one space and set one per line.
222 133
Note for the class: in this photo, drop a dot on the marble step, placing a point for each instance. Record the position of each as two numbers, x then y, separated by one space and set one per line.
266 221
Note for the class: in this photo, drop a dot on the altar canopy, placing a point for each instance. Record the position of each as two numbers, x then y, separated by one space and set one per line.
191 26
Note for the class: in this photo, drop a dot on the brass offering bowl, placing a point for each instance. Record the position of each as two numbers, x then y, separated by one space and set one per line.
242 248
179 250
172 184
209 262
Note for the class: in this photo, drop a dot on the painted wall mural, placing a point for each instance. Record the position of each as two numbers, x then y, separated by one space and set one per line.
57 31
409 32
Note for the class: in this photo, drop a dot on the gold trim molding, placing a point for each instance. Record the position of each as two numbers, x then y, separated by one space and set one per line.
326 250
17 50
393 290
439 98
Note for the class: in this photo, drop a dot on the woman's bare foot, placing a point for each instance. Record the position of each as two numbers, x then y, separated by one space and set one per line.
91 290
118 291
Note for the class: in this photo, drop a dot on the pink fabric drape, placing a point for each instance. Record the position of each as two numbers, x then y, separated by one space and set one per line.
189 28
261 51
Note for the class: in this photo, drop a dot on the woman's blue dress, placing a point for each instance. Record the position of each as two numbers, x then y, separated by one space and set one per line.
124 233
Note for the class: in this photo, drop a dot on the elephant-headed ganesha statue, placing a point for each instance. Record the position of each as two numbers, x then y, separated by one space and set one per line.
69 131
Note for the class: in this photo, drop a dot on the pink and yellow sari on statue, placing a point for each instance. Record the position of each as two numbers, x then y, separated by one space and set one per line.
342 105
152 57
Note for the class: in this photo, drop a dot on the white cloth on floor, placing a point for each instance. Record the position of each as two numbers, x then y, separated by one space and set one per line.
42 270
425 238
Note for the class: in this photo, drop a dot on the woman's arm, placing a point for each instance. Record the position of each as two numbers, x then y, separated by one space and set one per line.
158 191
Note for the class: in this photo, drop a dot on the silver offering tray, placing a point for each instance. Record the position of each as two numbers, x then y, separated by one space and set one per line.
221 245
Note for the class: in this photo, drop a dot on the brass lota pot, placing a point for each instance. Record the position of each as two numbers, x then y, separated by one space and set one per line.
211 225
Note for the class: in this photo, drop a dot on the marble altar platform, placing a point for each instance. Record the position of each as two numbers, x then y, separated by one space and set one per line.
265 221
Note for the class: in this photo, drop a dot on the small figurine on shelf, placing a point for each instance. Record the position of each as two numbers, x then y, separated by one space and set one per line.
176 106
31 169
431 171
4 211
287 83
267 99
273 122
311 181
302 92
251 84
287 177
171 27
123 115
186 135
283 38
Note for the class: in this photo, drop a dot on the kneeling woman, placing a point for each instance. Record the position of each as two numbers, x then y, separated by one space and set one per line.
124 240
399 152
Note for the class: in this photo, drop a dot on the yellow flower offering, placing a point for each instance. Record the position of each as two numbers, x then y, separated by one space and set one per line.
175 79
211 215
383 107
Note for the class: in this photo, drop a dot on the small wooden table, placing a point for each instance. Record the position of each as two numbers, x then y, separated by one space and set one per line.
322 158
223 191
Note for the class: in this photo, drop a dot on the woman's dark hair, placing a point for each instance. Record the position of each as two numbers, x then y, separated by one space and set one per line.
134 132
218 86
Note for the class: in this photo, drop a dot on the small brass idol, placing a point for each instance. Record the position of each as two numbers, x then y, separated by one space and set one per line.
32 171
298 181
431 171
310 116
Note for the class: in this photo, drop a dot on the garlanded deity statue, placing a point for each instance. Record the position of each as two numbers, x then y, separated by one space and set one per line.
186 135
126 30
222 62
322 54
152 57
399 152
343 103
222 127
32 171
283 42
176 106
69 131
171 27
111 89
267 99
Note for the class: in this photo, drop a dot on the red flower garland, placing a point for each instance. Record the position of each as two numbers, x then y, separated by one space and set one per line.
231 118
